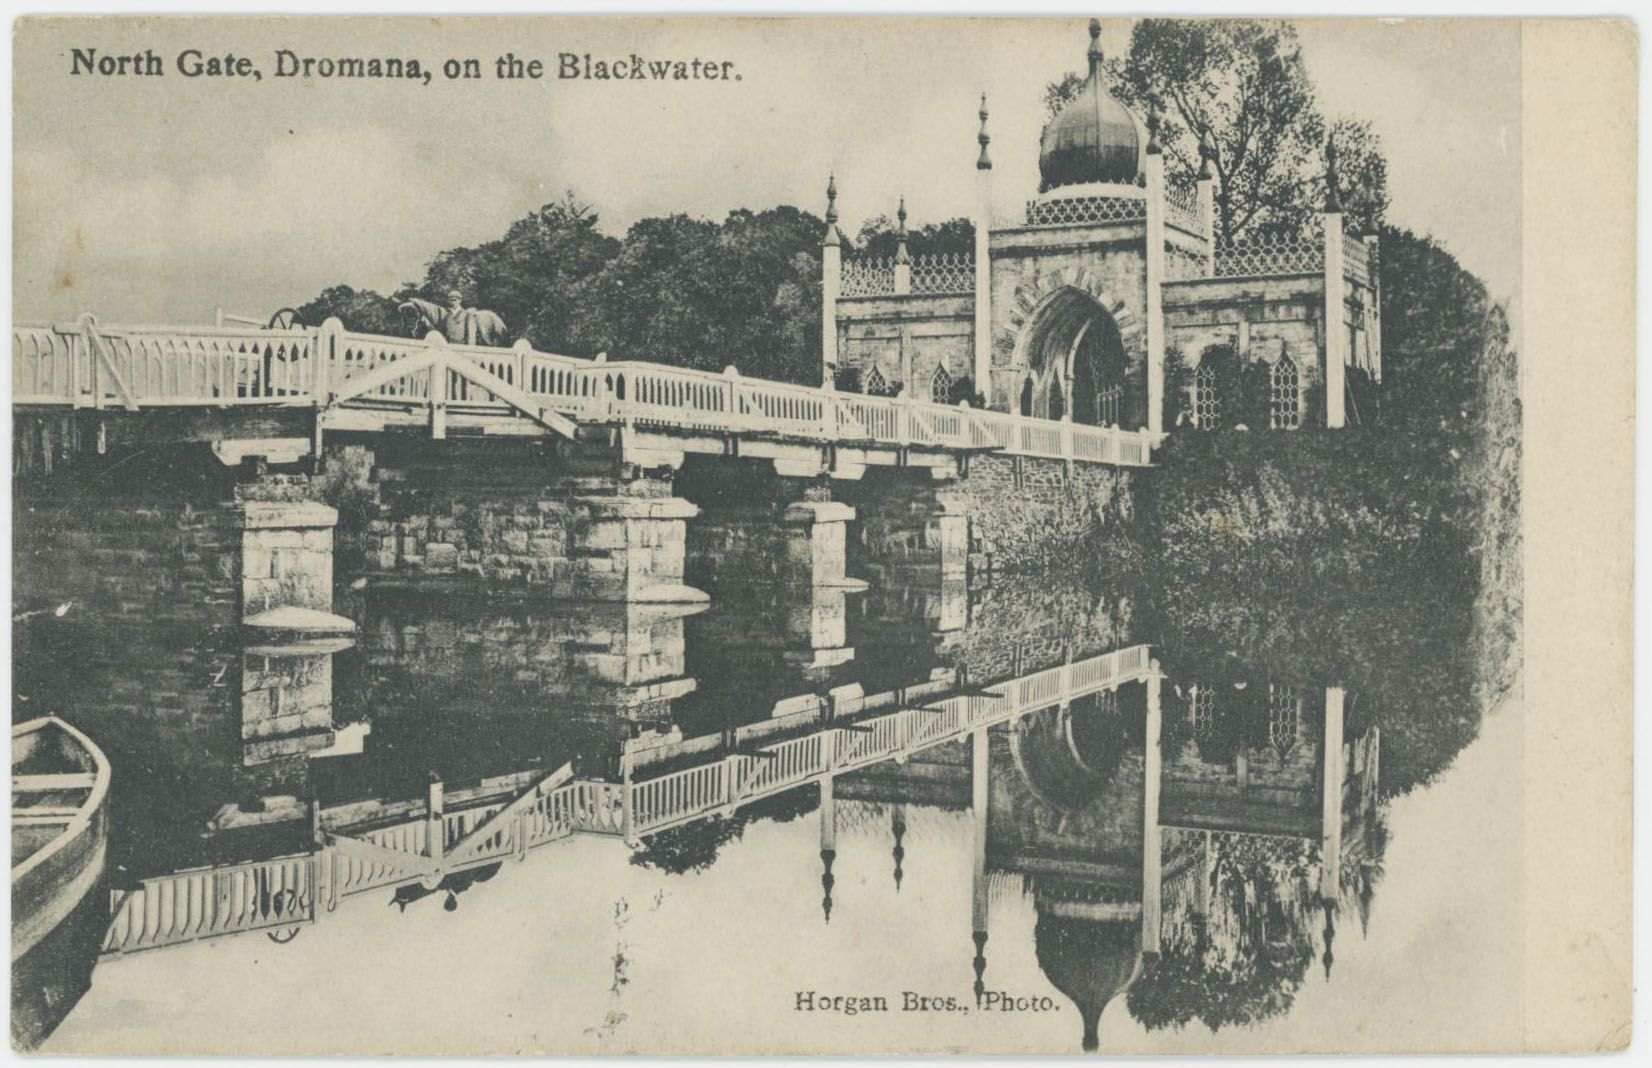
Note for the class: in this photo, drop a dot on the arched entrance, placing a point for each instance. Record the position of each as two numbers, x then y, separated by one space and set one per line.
1074 358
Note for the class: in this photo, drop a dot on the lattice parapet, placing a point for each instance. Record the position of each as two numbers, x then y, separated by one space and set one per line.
867 277
943 272
1078 211
1270 255
1181 208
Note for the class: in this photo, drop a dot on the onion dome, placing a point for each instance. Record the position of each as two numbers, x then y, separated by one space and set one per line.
1090 961
1094 138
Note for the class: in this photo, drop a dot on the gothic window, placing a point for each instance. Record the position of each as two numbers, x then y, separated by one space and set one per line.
1284 399
1107 702
1201 708
1284 714
1026 397
940 386
1058 403
875 383
1107 404
1207 403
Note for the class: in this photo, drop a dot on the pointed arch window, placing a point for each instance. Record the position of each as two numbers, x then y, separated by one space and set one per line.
940 386
1207 402
876 384
1201 707
1108 399
1284 396
1284 718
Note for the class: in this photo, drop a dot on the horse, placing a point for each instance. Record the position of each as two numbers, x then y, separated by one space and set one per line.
462 326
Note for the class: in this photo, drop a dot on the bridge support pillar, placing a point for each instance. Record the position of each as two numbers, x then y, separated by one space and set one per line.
764 528
627 549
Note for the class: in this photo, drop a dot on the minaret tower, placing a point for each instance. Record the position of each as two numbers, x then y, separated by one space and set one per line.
831 277
983 262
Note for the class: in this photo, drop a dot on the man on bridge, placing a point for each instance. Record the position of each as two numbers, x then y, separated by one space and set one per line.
459 324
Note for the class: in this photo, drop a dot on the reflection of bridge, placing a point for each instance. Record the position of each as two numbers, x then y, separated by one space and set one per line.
363 848
361 382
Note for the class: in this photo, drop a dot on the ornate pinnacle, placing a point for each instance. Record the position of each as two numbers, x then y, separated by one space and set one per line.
1333 203
1154 118
832 236
980 963
826 882
901 255
984 163
1095 48
1205 173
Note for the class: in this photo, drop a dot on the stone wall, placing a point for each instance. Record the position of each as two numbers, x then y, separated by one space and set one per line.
1022 514
1261 321
173 562
906 339
1025 623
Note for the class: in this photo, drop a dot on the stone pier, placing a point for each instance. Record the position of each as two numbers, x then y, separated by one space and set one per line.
479 516
759 526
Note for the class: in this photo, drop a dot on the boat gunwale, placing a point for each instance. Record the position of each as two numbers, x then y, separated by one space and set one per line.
81 821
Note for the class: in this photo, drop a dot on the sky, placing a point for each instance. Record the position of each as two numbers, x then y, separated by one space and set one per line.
159 199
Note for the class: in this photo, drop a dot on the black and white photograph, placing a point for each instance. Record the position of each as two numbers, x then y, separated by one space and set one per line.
821 535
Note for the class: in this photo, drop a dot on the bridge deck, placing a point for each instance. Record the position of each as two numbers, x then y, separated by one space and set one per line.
367 382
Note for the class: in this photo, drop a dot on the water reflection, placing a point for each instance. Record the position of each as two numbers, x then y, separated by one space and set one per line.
1134 828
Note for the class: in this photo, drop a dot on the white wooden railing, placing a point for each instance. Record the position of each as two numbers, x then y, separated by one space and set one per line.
281 895
90 365
692 793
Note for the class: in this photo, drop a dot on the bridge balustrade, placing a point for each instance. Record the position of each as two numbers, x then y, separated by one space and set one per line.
91 365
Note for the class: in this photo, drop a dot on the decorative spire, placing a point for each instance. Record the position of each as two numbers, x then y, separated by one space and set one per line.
1095 48
1205 172
984 162
826 881
901 255
900 851
1154 118
980 966
1333 202
832 236
1330 933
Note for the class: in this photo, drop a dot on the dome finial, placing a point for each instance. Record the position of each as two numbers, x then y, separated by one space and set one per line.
1095 47
984 162
832 237
1333 202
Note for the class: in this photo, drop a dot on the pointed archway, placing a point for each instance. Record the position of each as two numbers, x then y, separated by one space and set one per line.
1074 358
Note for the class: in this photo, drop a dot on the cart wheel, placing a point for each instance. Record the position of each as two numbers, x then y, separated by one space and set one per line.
285 319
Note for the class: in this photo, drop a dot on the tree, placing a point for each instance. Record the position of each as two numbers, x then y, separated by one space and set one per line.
535 276
877 237
363 310
1238 88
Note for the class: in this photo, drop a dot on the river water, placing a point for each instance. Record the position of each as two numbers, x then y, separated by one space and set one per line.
715 936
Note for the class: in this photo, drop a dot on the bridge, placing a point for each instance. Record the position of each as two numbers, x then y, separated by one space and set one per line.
655 414
358 849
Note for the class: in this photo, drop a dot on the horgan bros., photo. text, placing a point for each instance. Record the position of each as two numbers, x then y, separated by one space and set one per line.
286 63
